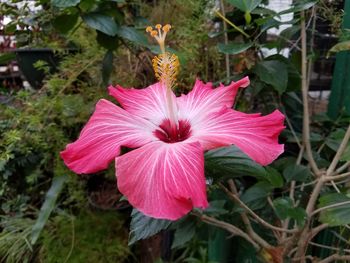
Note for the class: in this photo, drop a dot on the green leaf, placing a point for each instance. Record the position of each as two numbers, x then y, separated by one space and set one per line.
47 207
245 5
133 35
274 177
216 207
185 231
101 23
273 72
284 209
231 162
336 216
65 3
255 196
7 57
234 48
107 66
64 23
300 6
346 154
142 226
296 172
342 46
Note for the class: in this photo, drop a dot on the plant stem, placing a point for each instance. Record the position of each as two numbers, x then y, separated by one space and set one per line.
227 56
246 220
329 206
231 24
339 153
305 89
230 228
252 213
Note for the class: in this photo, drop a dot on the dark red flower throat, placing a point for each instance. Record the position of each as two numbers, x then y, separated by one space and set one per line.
170 133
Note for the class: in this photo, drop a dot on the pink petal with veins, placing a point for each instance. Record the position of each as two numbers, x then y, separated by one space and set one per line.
255 135
99 142
149 103
203 99
163 180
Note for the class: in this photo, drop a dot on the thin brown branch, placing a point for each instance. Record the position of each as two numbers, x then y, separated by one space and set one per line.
336 177
335 257
228 227
253 214
329 206
227 56
305 89
339 153
329 247
246 220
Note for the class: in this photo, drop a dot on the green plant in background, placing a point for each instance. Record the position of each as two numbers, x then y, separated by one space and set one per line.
71 239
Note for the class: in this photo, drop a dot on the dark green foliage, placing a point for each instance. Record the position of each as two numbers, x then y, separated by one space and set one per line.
142 226
88 237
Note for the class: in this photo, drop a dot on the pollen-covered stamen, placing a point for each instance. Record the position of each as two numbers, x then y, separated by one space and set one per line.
166 68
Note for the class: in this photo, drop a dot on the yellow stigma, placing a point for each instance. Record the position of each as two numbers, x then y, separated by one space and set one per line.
165 65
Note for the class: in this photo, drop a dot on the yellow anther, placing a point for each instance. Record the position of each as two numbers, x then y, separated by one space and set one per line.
154 33
149 29
158 26
166 68
166 28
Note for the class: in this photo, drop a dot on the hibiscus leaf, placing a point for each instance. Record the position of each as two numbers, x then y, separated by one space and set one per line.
284 208
256 196
101 23
231 162
296 172
336 215
142 226
133 35
47 207
185 229
245 5
273 72
107 66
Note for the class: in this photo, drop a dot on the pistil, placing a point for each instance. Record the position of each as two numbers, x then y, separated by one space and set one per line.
166 68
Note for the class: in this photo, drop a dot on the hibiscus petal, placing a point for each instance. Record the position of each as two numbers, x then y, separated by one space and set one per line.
255 135
99 142
163 180
149 103
203 99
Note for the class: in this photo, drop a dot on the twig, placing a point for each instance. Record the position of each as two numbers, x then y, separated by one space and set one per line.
329 206
230 228
313 198
252 213
336 177
342 168
305 89
231 24
329 247
334 257
314 231
339 153
227 56
246 220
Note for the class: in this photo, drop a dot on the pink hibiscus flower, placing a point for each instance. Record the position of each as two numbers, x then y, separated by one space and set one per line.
163 177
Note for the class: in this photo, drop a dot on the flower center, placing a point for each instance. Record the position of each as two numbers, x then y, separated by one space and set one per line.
170 133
